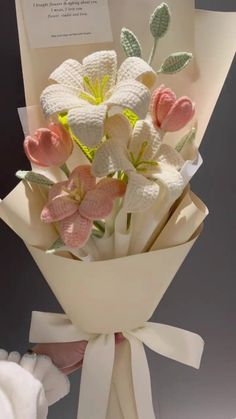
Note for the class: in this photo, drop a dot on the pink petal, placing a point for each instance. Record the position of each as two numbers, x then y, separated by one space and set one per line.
114 188
180 114
75 230
96 205
85 176
167 100
57 189
58 209
161 102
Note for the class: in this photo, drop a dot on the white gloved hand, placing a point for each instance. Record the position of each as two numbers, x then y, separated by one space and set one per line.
28 385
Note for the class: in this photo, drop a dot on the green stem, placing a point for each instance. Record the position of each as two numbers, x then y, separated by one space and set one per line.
65 170
100 226
153 52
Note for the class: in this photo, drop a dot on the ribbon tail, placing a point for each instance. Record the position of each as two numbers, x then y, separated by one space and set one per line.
172 342
56 328
141 379
114 408
123 382
96 377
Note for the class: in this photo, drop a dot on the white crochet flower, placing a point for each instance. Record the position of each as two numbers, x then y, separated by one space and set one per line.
151 166
88 91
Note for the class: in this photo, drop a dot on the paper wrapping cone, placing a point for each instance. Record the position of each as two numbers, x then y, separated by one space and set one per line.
183 223
105 297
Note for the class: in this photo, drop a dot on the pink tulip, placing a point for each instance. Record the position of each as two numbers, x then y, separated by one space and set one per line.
76 203
169 113
49 147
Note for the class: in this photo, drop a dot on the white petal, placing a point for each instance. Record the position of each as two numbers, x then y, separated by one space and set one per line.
58 98
87 123
141 193
138 69
109 158
69 73
132 95
168 155
144 131
171 179
100 64
118 128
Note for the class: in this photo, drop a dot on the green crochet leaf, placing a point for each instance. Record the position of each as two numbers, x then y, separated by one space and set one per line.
56 246
175 62
130 43
33 177
160 21
188 138
88 152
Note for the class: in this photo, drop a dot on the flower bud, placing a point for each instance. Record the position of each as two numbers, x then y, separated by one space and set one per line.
49 146
169 113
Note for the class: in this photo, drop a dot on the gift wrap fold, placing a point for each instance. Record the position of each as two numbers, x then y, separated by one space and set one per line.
103 297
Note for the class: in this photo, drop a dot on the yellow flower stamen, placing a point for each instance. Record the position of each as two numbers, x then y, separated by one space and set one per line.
95 92
137 162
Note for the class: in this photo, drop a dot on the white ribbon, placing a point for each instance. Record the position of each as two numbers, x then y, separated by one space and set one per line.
171 342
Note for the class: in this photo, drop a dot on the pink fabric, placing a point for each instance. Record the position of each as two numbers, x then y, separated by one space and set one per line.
76 203
169 113
68 357
49 147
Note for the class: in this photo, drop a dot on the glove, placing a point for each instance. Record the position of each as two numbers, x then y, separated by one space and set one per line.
28 385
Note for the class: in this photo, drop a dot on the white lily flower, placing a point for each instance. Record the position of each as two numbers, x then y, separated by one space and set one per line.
151 166
88 91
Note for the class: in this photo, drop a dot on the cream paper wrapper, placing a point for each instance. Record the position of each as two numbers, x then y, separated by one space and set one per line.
37 65
104 297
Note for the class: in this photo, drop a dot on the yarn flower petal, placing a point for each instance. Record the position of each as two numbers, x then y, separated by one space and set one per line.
145 140
70 74
118 128
168 155
101 65
114 188
58 209
87 123
87 179
141 193
75 230
137 69
58 98
90 90
170 179
132 95
111 157
96 205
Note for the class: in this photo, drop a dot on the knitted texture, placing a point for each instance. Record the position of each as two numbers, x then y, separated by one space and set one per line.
88 91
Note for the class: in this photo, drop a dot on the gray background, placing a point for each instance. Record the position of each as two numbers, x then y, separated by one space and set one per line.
202 297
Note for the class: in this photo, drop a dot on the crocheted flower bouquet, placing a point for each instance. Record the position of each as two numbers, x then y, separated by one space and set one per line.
108 215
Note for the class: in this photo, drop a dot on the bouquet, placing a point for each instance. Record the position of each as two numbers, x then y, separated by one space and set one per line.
107 212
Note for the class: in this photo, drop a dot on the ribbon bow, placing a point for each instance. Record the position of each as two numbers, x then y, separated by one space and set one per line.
171 342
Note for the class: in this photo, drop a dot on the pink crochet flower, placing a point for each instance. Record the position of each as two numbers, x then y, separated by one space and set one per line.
169 113
49 147
76 203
